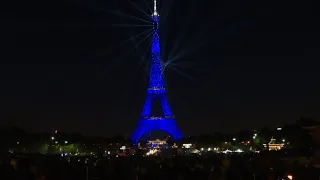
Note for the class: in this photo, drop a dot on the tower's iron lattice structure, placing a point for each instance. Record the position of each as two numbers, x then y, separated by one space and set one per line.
156 91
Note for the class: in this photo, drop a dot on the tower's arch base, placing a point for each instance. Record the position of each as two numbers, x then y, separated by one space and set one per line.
160 124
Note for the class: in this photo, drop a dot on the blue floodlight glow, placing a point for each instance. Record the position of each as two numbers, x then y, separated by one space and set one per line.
156 91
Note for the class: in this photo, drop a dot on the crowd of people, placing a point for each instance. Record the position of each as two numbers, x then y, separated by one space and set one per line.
209 167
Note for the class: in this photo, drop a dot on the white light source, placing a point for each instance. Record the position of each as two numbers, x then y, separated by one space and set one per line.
254 136
186 146
239 151
155 13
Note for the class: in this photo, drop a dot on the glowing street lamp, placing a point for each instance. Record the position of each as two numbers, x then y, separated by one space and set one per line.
254 136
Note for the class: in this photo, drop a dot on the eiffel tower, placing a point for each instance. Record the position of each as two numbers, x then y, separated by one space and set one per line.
156 91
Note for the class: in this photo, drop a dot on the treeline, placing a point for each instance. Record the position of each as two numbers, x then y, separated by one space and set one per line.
297 134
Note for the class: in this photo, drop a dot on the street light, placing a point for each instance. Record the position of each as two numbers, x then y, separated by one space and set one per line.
254 136
66 142
234 139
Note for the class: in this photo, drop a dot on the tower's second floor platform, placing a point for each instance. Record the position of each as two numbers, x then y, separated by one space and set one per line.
155 90
157 118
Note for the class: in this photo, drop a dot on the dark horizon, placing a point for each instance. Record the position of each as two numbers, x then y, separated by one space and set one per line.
242 65
290 131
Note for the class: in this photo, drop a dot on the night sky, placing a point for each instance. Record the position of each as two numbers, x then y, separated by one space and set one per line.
232 65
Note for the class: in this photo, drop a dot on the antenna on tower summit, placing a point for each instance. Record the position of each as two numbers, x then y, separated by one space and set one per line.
155 13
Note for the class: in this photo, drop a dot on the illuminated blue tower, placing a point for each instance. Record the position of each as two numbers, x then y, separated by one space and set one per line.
156 91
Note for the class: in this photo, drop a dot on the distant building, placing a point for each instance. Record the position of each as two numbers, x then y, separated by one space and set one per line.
273 146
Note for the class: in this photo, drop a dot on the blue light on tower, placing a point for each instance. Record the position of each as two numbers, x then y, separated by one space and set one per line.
156 91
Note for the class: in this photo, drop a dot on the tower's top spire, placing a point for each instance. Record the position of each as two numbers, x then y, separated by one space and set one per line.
155 13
